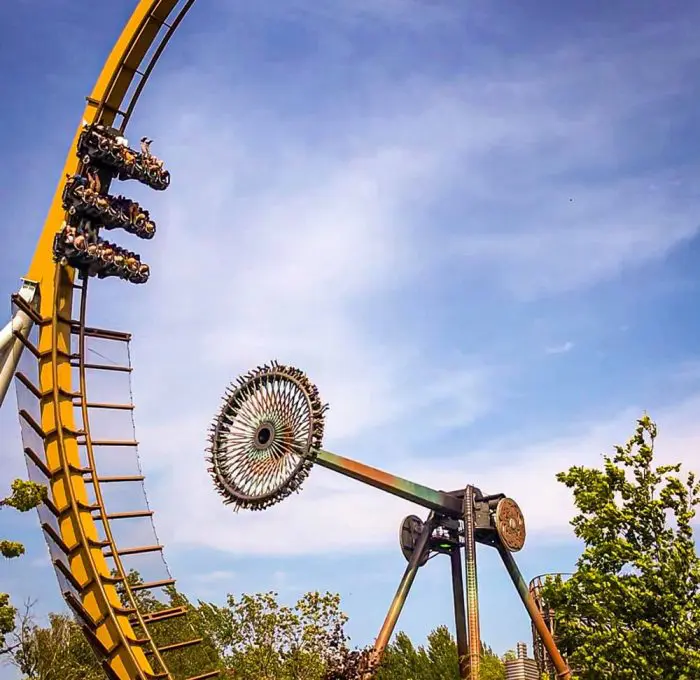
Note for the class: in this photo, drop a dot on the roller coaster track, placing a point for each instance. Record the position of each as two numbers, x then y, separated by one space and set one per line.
60 444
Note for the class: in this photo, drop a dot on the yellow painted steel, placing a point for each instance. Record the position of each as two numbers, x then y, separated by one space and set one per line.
68 490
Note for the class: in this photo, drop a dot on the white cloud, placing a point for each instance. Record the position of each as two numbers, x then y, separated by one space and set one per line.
289 236
560 349
335 514
215 576
281 241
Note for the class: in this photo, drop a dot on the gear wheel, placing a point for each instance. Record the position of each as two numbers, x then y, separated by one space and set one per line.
265 438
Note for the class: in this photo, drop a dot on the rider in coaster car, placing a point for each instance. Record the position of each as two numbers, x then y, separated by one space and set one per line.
133 211
68 232
76 180
121 203
93 180
146 146
80 243
148 158
93 259
107 252
88 229
119 261
128 156
102 202
140 276
132 264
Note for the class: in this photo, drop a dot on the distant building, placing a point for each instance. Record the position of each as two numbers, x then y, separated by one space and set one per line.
522 668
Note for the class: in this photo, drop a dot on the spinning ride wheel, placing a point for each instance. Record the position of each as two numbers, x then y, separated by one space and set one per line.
264 440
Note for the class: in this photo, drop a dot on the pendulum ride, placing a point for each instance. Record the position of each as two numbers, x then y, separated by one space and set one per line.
263 444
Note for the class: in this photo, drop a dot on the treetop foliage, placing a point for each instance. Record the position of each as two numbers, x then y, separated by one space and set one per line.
24 497
632 608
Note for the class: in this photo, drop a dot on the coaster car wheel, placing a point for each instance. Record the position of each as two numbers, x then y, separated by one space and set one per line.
266 436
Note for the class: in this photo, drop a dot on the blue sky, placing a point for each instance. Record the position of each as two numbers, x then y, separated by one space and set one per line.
475 228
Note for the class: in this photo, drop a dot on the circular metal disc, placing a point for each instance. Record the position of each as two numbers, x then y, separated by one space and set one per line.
264 440
410 531
510 524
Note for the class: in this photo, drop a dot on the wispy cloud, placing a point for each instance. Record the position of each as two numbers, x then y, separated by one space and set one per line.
388 194
560 349
219 576
310 248
308 523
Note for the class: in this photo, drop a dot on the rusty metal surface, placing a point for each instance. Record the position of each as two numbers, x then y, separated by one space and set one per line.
561 667
544 662
510 524
473 628
409 535
420 550
431 499
460 614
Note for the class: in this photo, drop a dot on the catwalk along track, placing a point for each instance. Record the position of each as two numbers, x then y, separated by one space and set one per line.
57 406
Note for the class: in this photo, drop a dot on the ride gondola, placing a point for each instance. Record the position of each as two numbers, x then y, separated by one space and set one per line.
106 146
113 212
80 247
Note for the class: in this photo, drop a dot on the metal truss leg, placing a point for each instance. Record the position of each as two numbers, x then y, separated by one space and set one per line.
460 614
472 587
562 669
402 592
11 348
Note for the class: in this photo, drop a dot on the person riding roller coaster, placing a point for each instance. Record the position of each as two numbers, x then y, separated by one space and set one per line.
79 198
78 248
108 147
94 183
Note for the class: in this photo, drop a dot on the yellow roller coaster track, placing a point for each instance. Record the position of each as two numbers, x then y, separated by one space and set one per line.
79 531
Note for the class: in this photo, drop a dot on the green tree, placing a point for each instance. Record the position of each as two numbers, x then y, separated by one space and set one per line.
59 651
438 660
442 654
403 661
24 497
632 608
263 640
492 666
187 624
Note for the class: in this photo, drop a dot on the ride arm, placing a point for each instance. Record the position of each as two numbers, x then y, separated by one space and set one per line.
438 501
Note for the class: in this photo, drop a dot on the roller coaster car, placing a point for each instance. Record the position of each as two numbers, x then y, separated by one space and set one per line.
98 144
95 257
112 212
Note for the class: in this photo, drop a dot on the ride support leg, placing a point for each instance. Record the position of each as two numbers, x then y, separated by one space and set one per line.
401 594
10 347
563 672
460 614
472 597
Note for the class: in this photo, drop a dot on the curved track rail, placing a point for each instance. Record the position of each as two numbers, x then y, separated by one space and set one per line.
77 523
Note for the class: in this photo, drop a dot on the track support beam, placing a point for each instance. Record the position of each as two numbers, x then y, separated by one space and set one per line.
11 347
